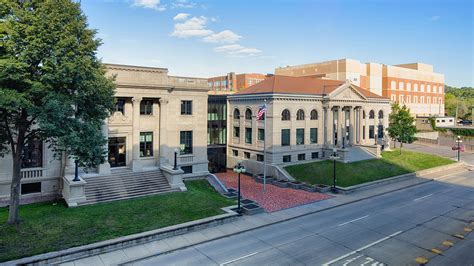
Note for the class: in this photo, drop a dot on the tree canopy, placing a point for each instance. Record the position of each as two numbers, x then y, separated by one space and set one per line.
52 85
401 124
460 98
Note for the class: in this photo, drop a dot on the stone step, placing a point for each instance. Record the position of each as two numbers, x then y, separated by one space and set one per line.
138 195
124 194
133 175
127 181
126 189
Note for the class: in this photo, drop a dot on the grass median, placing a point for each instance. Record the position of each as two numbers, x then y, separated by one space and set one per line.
52 226
391 164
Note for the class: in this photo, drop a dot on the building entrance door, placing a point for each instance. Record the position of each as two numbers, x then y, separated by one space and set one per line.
117 152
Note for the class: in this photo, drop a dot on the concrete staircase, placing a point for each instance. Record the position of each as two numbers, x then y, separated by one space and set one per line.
125 184
357 153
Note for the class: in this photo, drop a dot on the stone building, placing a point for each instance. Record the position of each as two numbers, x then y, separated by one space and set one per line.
306 118
155 115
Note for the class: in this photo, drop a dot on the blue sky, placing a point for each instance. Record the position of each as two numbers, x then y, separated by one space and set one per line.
209 38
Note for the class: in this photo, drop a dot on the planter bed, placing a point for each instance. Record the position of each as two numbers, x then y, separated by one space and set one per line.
259 179
251 209
280 183
309 188
295 184
322 188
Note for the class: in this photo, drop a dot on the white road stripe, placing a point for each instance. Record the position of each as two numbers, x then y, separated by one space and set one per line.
351 260
362 248
423 197
360 218
234 260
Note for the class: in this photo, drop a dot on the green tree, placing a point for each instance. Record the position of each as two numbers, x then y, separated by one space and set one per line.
52 86
401 124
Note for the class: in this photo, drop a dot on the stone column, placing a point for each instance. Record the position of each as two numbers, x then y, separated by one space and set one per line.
339 124
330 125
104 169
136 165
367 125
352 125
163 133
360 123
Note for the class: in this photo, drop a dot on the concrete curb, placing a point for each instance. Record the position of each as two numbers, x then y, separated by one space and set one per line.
389 180
80 252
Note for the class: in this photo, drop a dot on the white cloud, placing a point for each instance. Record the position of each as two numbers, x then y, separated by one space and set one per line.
225 36
435 18
151 4
183 4
237 50
181 16
193 27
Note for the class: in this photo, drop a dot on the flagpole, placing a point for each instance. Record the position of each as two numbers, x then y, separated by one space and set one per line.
265 147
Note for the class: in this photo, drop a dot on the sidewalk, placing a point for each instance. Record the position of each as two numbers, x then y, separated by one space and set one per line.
246 223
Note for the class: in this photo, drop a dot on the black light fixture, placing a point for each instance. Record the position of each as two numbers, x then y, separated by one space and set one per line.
175 167
459 141
239 168
76 171
334 157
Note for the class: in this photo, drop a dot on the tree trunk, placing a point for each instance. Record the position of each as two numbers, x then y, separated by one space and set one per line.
14 209
401 146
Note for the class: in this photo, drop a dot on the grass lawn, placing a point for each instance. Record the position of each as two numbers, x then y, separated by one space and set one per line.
52 226
392 164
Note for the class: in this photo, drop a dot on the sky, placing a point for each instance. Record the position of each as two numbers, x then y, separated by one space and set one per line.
214 37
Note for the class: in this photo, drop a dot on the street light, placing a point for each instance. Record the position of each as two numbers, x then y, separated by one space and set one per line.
459 141
76 171
175 167
334 157
239 168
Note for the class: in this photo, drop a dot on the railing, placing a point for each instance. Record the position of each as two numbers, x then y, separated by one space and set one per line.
31 173
186 159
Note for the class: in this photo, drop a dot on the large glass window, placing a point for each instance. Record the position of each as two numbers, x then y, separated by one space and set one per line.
248 135
313 135
314 115
371 132
120 106
248 114
261 134
380 132
299 136
146 107
186 107
285 137
186 142
380 114
216 112
32 154
236 114
146 144
285 115
371 114
236 132
300 115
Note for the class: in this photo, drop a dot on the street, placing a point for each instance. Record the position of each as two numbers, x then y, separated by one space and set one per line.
467 157
395 229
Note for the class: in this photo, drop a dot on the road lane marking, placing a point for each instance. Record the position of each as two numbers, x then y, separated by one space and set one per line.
240 258
362 248
448 243
421 260
351 260
360 218
459 236
437 251
429 195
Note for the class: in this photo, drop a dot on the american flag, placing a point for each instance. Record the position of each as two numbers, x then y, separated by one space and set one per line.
261 112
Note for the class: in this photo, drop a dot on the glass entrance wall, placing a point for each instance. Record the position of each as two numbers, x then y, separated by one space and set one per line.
117 152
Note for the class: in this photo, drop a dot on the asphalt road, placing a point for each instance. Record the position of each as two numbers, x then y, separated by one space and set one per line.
444 151
394 229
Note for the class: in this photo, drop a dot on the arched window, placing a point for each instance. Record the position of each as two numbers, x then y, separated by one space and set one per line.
248 114
236 114
285 115
314 115
300 114
380 114
371 114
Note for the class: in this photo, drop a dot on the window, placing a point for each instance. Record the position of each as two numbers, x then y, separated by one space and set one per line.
415 99
393 85
186 142
415 87
236 114
186 107
146 107
408 86
428 99
286 158
428 88
259 158
371 132
187 169
313 135
285 137
300 115
32 154
248 114
400 98
285 115
236 132
299 136
435 89
422 87
393 97
380 114
371 114
248 135
422 99
400 85
261 134
301 157
314 155
120 106
247 155
314 115
146 144
30 188
380 132
235 153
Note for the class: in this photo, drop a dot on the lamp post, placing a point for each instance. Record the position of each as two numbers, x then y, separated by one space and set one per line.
76 171
175 167
459 141
334 157
239 168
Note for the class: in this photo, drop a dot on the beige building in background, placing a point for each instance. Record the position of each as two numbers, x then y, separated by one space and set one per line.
155 115
415 85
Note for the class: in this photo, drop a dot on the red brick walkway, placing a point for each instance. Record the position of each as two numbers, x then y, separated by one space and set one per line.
275 198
